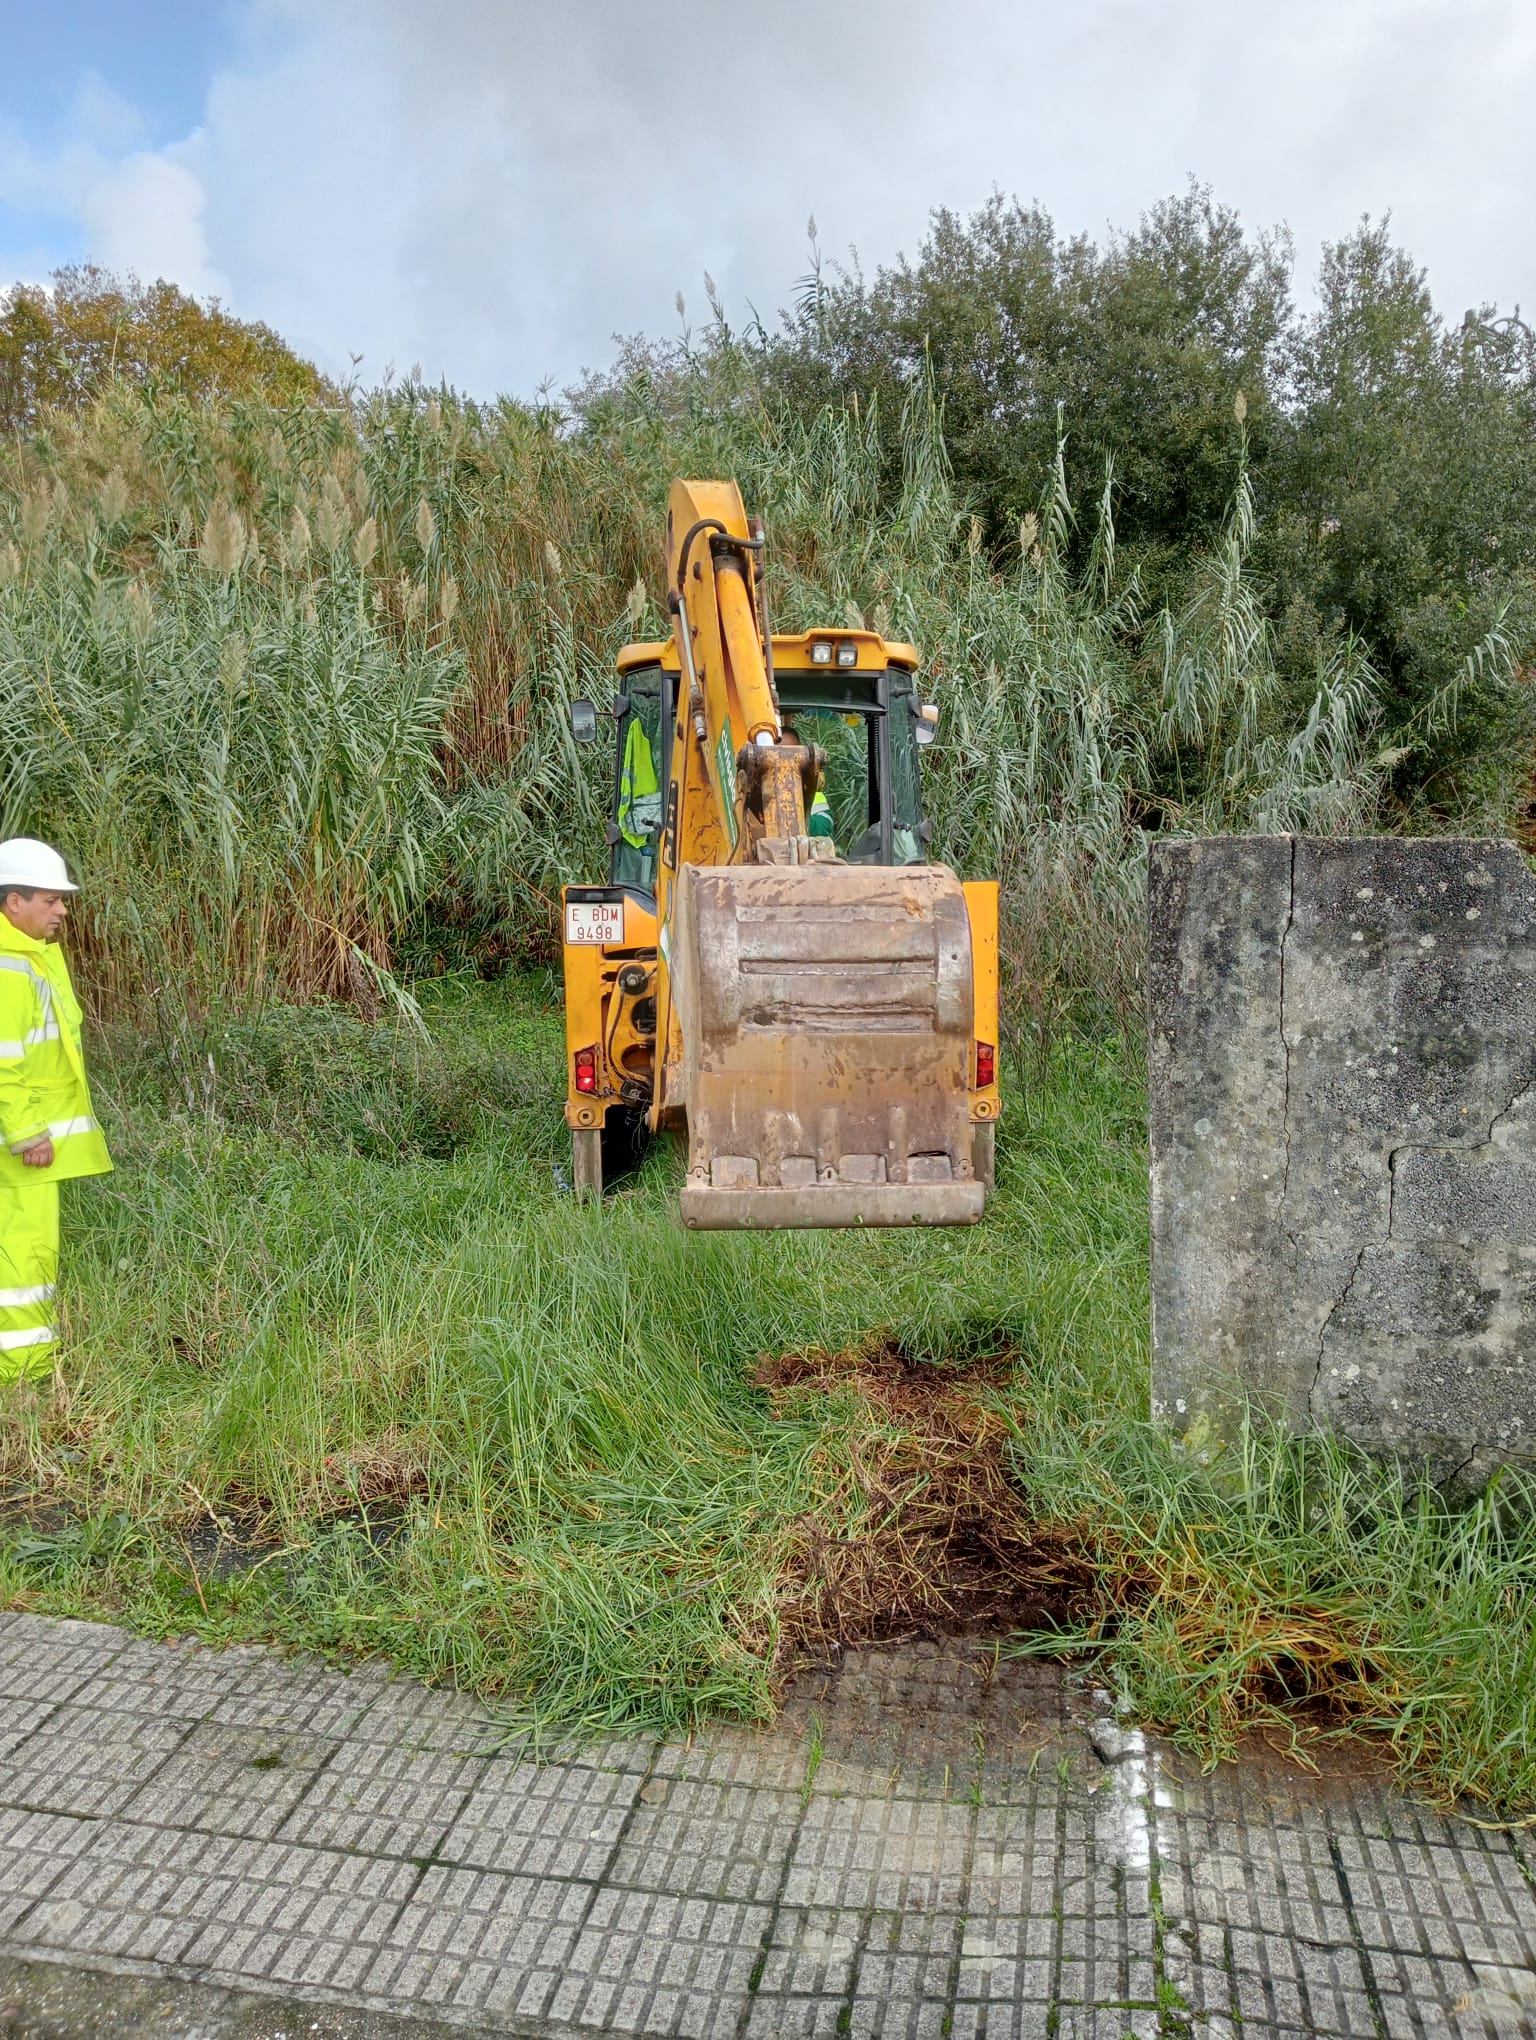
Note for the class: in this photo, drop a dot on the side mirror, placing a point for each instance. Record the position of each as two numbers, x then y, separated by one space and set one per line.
924 735
583 722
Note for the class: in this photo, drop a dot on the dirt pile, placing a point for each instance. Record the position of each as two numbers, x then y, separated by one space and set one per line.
919 1530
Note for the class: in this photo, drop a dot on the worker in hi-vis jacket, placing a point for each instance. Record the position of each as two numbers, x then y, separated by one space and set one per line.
47 1129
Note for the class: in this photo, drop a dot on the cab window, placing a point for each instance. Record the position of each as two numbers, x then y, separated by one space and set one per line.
640 783
872 766
906 778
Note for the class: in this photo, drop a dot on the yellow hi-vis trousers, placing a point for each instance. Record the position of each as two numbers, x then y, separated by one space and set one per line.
29 1268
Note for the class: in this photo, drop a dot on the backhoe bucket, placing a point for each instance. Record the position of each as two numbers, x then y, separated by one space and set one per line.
827 1017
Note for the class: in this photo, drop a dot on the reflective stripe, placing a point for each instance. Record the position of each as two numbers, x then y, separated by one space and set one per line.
13 1299
13 1049
62 1128
40 1335
37 1034
40 984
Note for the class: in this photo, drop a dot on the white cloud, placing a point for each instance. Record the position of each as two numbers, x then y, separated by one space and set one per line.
492 188
144 217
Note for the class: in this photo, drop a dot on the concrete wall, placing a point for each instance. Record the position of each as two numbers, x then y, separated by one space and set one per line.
1342 1060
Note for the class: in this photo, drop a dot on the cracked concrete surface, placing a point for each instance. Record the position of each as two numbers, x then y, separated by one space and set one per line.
930 1842
1342 1055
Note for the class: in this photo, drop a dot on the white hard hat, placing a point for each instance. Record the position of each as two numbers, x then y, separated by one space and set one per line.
25 861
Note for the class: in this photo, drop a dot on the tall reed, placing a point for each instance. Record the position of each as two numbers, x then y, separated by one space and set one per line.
284 679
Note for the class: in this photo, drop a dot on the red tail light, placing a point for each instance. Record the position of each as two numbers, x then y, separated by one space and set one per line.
986 1065
586 1069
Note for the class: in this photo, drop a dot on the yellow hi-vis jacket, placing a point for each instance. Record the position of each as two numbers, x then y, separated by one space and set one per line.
42 1070
639 793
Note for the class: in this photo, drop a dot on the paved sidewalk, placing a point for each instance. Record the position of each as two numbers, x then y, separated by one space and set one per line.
927 1843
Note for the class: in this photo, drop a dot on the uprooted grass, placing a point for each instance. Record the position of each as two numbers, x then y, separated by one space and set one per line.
1302 1589
918 1526
364 1395
1298 1590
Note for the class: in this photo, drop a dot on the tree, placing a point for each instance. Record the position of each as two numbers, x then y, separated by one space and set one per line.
1138 350
1403 500
61 345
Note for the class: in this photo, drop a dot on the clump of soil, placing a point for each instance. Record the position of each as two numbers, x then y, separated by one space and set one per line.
937 1540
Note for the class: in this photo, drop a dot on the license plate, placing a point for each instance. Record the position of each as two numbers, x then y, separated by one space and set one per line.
594 920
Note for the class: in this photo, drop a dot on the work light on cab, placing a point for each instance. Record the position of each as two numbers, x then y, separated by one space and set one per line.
847 655
821 653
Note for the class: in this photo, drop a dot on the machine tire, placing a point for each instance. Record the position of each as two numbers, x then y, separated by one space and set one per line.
587 1163
604 1155
625 1140
984 1153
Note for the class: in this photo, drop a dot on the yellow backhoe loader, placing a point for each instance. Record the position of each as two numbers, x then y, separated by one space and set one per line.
774 968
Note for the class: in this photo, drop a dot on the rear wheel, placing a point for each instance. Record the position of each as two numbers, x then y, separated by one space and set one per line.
984 1153
587 1162
603 1156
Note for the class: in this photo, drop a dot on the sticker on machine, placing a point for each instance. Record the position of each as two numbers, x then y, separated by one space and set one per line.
594 921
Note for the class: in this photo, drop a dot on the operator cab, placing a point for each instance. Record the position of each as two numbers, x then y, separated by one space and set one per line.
868 719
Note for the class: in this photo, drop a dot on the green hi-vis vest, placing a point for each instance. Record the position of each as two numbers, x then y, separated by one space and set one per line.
639 794
820 820
42 1070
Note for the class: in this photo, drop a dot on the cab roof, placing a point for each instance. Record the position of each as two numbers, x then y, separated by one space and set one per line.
792 652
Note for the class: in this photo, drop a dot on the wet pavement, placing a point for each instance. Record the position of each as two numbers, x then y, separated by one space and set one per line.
236 1845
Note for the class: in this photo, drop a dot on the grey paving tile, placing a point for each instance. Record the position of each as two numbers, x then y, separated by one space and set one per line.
727 1754
29 1671
1417 2018
899 2017
656 1964
905 1975
181 1680
707 1840
904 1723
1005 2019
35 1850
1102 1964
1423 1995
292 1695
1207 1986
404 1713
1466 1899
79 1760
26 1637
884 1854
541 1821
114 1927
1013 1864
1006 1959
479 1940
332 1945
811 1952
233 1781
384 1799
18 1720
1108 2022
794 2018
270 1819
153 1894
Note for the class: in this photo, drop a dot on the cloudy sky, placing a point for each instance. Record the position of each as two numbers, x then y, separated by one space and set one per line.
492 188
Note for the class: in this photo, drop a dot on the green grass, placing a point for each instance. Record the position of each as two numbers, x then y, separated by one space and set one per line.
347 1307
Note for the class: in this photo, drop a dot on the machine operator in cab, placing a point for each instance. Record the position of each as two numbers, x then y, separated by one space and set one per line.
818 821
